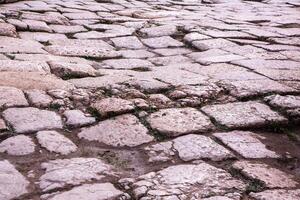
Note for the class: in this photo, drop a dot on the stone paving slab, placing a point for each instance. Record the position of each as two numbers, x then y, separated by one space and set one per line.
178 100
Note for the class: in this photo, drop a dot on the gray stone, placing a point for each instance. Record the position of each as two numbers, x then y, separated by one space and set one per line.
130 42
41 36
179 121
96 191
10 97
124 130
24 66
90 52
247 144
66 70
16 45
7 30
38 98
278 194
35 25
193 180
12 183
112 105
162 42
55 142
271 177
157 31
137 64
243 114
19 145
24 120
62 172
219 43
76 118
189 147
67 29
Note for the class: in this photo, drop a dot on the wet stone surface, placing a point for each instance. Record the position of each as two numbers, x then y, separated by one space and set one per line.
149 100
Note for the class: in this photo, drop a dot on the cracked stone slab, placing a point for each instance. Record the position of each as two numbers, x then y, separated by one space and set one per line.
96 191
55 142
218 43
63 172
16 45
76 118
10 97
41 36
24 120
189 147
158 31
67 29
179 121
271 177
186 181
123 130
284 102
17 145
243 114
12 183
112 105
82 43
278 194
246 143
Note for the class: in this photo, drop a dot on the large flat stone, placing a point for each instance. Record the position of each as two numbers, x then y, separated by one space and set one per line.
62 172
189 147
16 45
96 191
124 130
55 142
269 176
162 42
10 97
113 106
12 183
179 121
18 145
279 194
194 181
243 114
246 144
24 66
24 120
33 80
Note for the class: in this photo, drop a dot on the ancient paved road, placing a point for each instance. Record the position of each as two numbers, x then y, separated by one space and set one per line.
154 99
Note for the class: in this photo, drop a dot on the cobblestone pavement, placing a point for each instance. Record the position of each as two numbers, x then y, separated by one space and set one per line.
152 99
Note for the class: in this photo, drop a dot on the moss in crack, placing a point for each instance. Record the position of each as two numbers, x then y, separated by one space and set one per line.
293 136
255 186
94 113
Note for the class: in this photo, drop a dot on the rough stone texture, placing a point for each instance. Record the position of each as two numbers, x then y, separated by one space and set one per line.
130 42
137 64
15 45
7 30
242 115
24 120
33 80
179 121
97 191
3 126
12 183
124 130
38 98
76 118
246 144
55 142
17 145
63 172
271 177
113 105
162 42
189 147
66 70
24 66
276 194
195 181
10 97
